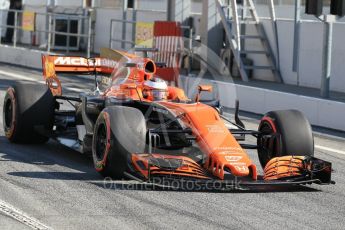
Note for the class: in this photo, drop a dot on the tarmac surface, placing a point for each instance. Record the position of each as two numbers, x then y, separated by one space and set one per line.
58 188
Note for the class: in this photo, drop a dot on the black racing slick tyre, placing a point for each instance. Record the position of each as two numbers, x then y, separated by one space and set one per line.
284 133
119 132
28 113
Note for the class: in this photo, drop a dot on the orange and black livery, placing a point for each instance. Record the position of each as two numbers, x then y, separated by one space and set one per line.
135 125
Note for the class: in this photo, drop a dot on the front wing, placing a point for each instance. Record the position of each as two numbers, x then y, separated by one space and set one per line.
180 172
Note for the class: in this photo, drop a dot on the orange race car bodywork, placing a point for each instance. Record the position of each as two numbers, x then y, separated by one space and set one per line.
223 156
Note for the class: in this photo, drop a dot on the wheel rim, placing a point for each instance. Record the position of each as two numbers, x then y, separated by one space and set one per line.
268 150
101 142
8 114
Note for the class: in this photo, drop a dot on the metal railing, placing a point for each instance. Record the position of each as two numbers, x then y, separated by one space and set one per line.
122 40
125 21
51 31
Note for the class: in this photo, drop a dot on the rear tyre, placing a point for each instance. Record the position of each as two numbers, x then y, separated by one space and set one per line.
284 133
28 113
119 132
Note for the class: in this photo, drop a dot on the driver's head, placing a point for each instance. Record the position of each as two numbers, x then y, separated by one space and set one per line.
155 89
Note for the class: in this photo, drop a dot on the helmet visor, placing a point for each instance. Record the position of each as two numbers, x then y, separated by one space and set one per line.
159 94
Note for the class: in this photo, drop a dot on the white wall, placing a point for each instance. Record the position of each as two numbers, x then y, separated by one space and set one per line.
286 51
21 56
40 25
310 59
310 65
35 2
67 3
3 18
311 42
338 59
102 28
310 55
77 3
152 4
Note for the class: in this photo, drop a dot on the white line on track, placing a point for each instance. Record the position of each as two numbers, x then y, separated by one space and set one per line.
19 76
20 216
25 78
22 77
329 149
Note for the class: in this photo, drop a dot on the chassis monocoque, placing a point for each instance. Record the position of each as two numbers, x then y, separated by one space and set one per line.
176 139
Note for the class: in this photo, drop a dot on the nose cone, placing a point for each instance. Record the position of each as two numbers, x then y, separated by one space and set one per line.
238 164
238 170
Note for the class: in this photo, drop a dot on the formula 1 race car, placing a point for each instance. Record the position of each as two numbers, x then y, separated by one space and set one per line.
138 127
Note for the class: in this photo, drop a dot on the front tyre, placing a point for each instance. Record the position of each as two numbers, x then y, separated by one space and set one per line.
284 133
119 132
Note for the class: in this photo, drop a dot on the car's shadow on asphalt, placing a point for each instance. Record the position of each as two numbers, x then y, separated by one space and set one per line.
57 161
49 155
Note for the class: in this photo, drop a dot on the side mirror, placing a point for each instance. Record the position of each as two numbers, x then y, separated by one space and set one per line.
207 88
131 86
201 88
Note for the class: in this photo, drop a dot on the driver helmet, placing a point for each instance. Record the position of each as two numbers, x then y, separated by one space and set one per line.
155 89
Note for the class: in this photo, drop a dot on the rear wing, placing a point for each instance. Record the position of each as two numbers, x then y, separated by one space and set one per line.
104 64
52 65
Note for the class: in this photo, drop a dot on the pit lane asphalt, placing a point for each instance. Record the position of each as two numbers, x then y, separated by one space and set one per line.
60 188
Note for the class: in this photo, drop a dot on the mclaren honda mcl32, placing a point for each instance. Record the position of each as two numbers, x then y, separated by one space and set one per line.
138 127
